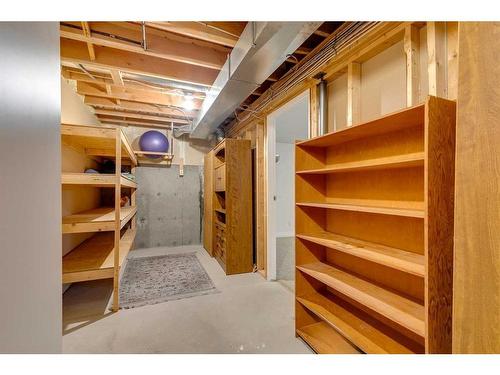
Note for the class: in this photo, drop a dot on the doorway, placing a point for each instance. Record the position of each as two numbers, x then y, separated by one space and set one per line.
285 126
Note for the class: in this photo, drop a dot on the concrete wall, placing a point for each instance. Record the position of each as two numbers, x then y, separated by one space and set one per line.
285 183
30 190
168 206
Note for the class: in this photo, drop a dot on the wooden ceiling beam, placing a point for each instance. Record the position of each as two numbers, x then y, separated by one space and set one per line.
103 112
321 33
117 77
163 47
87 34
197 30
144 108
109 58
134 95
147 124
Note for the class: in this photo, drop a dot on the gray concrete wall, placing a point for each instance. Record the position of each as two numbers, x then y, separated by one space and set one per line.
169 207
30 188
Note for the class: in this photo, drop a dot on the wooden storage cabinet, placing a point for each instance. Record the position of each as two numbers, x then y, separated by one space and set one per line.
228 212
374 233
208 201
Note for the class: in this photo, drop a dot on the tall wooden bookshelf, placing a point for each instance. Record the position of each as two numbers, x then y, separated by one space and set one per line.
231 205
102 255
374 234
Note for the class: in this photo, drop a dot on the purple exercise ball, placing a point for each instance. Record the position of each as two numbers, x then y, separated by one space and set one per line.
153 141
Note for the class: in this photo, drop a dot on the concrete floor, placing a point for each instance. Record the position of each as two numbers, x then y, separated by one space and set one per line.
249 315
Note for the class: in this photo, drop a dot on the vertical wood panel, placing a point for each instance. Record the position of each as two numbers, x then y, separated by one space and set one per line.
208 185
476 304
260 196
412 46
118 174
353 93
439 186
452 51
313 112
436 51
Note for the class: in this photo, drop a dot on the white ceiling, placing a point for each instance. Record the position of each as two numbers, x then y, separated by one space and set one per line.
292 122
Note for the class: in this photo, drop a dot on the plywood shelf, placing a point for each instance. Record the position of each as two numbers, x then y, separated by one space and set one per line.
323 339
221 210
390 162
94 258
395 258
96 180
100 219
97 140
397 308
403 119
406 212
366 334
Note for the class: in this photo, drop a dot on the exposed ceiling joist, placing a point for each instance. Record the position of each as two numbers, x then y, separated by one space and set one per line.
110 104
87 34
135 95
123 38
117 77
109 58
103 112
197 30
147 124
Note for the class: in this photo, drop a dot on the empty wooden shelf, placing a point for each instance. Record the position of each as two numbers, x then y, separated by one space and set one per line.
100 219
96 180
228 205
324 340
374 231
94 258
388 256
391 305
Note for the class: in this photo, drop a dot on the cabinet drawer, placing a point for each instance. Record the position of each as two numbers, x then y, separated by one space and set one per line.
220 178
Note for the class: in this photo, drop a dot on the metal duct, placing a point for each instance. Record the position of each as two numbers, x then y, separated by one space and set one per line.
322 88
261 49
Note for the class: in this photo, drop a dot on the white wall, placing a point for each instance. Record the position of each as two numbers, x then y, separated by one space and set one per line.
30 189
285 182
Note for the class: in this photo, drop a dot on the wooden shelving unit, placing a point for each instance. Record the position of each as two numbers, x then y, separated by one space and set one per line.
374 233
102 255
228 205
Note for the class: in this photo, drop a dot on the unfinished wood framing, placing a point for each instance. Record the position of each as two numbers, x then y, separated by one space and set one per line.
353 93
412 48
436 50
102 255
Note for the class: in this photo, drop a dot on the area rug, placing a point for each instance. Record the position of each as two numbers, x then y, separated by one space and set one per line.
151 280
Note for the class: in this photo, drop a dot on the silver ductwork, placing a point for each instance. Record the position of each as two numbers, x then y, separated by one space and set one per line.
261 49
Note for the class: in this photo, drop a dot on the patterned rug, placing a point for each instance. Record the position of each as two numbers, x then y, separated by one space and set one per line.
156 279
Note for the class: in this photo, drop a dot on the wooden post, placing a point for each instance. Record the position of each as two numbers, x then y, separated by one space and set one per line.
412 47
452 50
116 252
353 93
436 50
133 200
313 112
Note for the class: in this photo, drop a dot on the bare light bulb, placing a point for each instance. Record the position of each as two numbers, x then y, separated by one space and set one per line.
188 102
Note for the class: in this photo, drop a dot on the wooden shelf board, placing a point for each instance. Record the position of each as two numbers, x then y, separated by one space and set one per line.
406 212
391 257
100 219
96 140
94 179
323 339
399 309
221 210
405 118
390 162
94 258
363 334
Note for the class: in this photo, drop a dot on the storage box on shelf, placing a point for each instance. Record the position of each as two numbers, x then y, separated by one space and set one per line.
374 234
228 205
102 255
